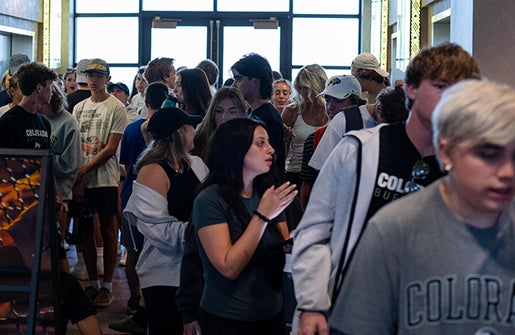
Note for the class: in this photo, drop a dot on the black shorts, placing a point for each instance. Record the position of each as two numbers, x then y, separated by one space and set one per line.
104 200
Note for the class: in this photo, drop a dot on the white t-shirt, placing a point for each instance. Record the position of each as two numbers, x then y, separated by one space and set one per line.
334 134
97 120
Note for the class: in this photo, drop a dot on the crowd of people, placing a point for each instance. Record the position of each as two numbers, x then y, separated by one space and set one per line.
339 205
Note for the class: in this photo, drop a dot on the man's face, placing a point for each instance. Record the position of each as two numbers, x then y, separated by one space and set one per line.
334 105
97 81
120 94
170 79
46 92
425 97
243 84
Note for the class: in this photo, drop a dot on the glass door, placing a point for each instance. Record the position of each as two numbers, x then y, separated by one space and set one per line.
223 40
186 44
241 40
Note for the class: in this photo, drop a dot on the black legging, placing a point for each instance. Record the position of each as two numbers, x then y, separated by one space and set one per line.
162 314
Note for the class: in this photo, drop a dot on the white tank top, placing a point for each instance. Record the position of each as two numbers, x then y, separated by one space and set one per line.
301 130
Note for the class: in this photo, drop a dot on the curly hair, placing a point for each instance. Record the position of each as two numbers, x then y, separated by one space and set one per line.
30 75
447 61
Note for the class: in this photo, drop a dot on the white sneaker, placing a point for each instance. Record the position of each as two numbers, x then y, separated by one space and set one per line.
79 271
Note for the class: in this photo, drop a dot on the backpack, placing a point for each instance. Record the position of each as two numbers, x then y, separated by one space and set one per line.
353 121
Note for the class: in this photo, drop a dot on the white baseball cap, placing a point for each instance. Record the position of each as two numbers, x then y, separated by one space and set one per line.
367 61
342 87
81 67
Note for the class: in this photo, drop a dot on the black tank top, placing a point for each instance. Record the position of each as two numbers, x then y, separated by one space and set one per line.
182 191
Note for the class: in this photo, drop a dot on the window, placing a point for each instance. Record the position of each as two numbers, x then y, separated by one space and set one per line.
325 41
253 5
114 39
326 7
239 41
103 6
178 5
168 42
326 32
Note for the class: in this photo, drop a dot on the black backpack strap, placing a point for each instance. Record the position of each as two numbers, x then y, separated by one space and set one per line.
353 119
339 273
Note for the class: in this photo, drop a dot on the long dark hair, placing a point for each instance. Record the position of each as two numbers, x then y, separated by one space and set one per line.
229 145
207 128
196 91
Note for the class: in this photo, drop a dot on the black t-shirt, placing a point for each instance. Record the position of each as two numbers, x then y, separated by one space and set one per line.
397 155
275 129
24 130
76 97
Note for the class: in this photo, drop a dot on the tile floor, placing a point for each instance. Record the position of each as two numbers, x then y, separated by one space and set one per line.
117 310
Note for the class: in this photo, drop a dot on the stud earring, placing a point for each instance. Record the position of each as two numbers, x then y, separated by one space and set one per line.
447 167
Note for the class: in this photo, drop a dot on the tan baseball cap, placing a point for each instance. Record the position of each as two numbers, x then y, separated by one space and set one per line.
367 61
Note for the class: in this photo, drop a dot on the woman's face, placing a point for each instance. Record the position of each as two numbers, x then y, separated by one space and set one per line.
482 176
281 95
260 156
71 83
304 92
225 111
141 83
189 133
179 94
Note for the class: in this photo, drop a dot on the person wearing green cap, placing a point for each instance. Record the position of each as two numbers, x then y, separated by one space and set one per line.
102 120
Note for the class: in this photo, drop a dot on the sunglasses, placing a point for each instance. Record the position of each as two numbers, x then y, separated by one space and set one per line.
419 171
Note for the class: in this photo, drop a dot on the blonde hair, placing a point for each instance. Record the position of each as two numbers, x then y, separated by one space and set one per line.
468 116
313 77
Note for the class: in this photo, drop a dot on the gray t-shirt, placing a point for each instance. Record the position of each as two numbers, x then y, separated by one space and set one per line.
249 297
420 270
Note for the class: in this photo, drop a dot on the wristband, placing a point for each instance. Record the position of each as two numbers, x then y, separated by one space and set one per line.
261 216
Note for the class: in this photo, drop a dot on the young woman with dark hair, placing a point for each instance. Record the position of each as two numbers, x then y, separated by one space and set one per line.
160 206
192 91
238 219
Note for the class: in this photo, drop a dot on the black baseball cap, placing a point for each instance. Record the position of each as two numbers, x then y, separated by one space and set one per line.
166 121
120 85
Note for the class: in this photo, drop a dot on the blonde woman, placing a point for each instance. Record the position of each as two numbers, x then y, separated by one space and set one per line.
305 115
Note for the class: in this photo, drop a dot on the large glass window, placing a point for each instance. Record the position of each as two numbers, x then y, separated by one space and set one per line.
326 32
177 44
325 41
253 5
114 39
110 6
124 74
239 41
326 7
178 5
